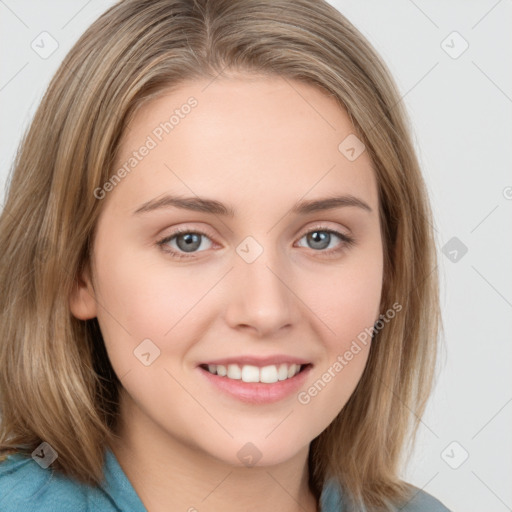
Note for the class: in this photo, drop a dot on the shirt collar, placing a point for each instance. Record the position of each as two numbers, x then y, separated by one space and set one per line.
118 487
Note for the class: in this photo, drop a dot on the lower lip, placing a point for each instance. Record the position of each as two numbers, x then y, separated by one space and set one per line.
258 392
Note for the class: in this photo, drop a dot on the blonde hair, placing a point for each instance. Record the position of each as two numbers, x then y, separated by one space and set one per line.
56 383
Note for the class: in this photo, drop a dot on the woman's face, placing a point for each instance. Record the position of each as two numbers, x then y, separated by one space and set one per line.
245 160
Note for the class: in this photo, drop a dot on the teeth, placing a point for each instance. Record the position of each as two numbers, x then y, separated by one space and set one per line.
292 370
268 374
234 372
282 373
249 373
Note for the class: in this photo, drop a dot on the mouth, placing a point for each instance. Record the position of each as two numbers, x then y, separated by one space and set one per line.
256 385
269 374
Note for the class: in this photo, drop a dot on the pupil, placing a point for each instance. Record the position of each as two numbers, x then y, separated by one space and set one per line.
320 237
190 239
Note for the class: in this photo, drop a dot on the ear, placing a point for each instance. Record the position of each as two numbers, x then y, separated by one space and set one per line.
82 301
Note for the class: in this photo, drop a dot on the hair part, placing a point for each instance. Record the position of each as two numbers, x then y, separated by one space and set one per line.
56 383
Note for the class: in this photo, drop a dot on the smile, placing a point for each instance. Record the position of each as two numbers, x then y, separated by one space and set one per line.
256 385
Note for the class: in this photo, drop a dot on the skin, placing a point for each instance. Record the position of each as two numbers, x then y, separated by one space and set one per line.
260 145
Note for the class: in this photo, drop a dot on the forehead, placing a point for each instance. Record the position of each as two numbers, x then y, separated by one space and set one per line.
249 138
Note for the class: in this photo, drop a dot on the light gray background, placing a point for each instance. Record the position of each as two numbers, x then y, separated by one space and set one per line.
460 108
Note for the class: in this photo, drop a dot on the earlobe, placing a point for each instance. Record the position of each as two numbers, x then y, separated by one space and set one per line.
82 300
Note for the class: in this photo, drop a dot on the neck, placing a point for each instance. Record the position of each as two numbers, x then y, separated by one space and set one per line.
169 474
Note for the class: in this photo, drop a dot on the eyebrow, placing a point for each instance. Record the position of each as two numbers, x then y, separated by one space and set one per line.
205 205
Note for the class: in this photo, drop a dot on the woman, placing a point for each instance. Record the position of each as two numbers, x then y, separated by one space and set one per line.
219 276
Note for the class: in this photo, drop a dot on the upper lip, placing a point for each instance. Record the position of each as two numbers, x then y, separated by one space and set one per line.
257 360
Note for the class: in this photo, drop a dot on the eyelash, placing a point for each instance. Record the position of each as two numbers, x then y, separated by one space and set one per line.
347 241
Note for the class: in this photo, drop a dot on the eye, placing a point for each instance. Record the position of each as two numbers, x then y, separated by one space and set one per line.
186 240
320 238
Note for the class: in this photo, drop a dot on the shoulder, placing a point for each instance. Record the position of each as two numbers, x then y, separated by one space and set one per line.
332 500
421 501
25 486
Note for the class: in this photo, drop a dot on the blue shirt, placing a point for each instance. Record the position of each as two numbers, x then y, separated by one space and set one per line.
27 487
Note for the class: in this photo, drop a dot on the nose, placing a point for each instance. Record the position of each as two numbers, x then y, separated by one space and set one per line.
261 296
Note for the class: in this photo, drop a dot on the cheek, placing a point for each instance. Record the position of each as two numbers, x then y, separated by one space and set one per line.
136 301
347 303
346 298
144 293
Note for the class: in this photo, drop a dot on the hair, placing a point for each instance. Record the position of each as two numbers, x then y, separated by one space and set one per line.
56 383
